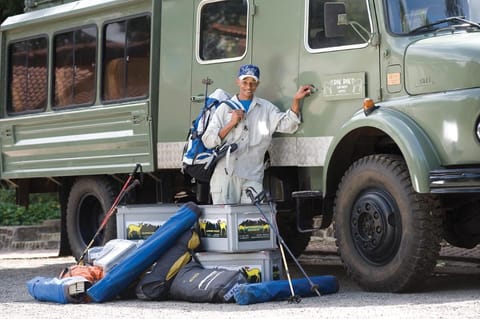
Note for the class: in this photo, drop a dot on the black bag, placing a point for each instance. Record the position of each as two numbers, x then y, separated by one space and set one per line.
197 160
155 282
202 172
196 284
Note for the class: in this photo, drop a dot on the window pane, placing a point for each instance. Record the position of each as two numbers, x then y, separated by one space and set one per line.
406 15
358 30
114 61
75 54
138 58
223 30
85 65
18 56
28 75
63 69
127 59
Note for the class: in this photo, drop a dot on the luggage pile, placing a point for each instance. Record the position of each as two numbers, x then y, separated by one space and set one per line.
199 254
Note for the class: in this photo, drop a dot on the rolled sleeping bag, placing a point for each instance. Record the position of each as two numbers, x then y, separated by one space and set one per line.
59 290
122 275
247 294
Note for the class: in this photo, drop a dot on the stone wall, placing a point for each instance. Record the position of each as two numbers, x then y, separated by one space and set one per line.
43 236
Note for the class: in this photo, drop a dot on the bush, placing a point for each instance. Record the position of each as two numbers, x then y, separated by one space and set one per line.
42 207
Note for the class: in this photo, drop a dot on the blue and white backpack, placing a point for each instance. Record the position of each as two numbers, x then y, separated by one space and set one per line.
199 161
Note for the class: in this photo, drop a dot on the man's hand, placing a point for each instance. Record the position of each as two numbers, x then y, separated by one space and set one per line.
237 116
303 91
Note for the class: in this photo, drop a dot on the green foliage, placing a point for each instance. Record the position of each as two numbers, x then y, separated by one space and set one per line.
42 207
10 7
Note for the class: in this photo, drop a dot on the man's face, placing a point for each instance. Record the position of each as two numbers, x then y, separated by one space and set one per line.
247 88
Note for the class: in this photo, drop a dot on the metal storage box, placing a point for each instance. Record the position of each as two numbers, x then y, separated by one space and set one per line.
136 222
236 228
259 266
222 228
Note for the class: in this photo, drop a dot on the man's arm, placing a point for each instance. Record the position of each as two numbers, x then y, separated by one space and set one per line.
217 130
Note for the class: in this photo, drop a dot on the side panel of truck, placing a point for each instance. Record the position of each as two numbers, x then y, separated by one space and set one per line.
98 139
106 140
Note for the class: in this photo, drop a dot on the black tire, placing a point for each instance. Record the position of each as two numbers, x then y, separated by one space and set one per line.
388 236
89 200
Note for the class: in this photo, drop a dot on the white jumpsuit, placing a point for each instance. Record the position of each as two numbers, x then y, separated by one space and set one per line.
245 167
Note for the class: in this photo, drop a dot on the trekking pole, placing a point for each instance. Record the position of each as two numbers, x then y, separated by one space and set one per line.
256 201
129 184
293 298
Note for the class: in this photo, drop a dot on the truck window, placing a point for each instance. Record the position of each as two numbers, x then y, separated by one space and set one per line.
357 32
27 75
222 30
126 59
406 15
74 67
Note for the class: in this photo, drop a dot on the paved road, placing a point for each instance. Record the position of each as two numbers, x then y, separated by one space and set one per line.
452 292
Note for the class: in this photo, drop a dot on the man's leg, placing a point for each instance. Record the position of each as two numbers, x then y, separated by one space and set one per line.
225 189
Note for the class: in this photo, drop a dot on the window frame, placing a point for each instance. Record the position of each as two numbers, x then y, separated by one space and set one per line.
306 32
198 26
103 47
53 75
9 76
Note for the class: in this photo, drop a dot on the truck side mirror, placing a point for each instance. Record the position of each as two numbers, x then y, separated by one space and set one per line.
335 17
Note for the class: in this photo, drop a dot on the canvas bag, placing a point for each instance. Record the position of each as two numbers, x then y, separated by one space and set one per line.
154 284
197 284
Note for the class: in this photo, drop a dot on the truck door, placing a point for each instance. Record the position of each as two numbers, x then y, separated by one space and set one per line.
275 36
221 46
339 61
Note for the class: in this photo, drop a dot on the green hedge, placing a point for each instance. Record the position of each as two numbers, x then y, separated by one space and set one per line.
10 7
42 207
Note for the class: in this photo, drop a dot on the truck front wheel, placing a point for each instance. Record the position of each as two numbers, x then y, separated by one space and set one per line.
89 200
388 236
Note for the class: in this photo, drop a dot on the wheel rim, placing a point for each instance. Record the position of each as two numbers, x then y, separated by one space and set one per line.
90 214
375 226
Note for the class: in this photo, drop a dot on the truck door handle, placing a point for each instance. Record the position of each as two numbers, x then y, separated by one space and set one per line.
197 98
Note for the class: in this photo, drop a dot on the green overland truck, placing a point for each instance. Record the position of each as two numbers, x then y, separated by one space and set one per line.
388 151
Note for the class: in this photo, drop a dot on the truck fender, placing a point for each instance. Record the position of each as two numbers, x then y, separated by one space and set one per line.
415 146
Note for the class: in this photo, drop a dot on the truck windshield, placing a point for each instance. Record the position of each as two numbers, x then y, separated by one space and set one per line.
414 16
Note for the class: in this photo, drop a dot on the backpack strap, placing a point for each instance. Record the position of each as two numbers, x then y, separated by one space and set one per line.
234 105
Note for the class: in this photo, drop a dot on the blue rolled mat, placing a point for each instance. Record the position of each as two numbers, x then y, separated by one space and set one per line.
123 274
247 294
58 290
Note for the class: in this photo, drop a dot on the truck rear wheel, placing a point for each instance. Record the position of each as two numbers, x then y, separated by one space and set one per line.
387 235
89 200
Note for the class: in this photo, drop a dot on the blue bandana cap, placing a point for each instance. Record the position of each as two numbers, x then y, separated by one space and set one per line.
249 70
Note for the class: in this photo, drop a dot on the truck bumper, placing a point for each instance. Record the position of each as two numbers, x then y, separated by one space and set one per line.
458 180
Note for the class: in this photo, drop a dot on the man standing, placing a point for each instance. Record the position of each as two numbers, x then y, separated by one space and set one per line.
251 128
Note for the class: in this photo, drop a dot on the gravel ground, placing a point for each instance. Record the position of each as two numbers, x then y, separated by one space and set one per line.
447 294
